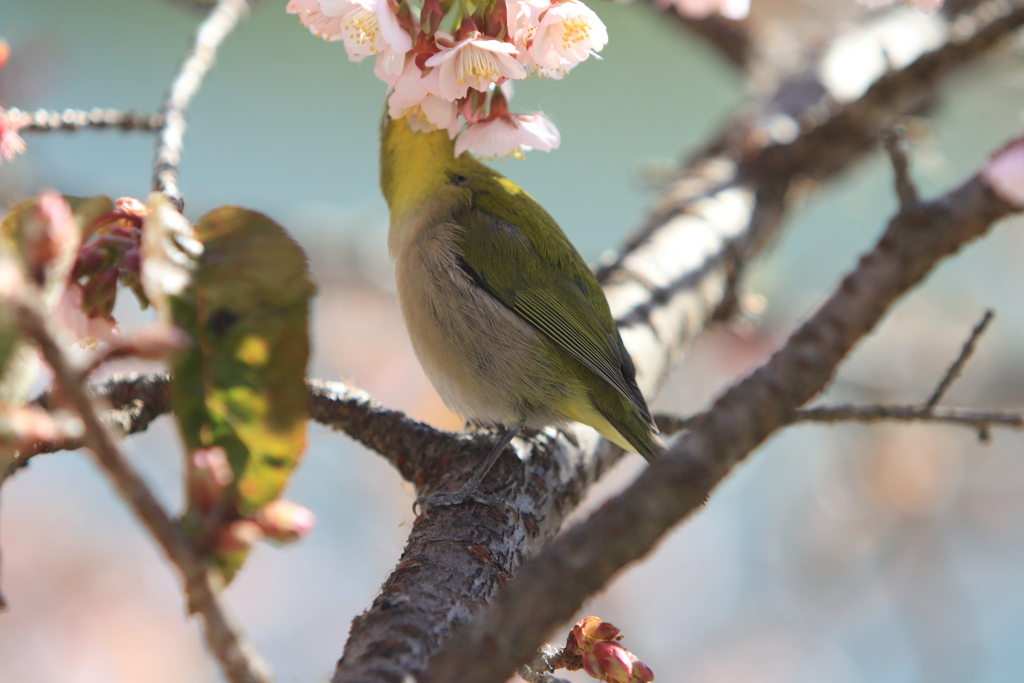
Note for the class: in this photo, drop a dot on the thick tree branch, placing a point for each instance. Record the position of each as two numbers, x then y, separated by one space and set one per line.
551 588
219 23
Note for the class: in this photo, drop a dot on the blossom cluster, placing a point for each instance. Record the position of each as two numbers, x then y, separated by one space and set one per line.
456 78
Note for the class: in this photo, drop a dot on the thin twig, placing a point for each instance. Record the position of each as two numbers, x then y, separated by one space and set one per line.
958 365
895 140
219 23
46 120
551 658
239 661
980 420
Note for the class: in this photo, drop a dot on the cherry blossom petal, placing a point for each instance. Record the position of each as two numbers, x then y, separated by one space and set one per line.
503 136
523 20
313 17
369 27
11 143
474 63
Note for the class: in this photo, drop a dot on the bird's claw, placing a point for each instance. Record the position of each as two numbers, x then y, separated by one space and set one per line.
423 504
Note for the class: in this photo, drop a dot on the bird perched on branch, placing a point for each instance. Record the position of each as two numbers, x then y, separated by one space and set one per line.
509 323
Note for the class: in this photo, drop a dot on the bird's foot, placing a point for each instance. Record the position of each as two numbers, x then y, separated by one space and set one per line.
424 504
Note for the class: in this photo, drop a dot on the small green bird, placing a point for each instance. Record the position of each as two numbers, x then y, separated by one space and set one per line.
509 323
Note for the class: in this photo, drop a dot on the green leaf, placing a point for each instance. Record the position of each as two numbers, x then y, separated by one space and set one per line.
241 386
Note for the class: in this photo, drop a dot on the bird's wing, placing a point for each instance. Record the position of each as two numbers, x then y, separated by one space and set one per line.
547 283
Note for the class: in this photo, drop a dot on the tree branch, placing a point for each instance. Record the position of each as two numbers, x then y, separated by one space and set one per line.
958 365
731 38
47 120
219 23
552 587
980 420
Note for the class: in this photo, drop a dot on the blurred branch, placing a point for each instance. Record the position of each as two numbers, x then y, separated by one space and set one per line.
219 23
239 661
550 589
136 400
958 365
895 140
46 120
730 37
980 420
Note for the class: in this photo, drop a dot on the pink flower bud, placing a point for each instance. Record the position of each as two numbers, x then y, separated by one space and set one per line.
131 207
209 476
591 630
49 234
284 521
1004 173
614 660
641 672
592 666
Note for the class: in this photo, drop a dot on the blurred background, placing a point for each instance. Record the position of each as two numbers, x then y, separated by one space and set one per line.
841 554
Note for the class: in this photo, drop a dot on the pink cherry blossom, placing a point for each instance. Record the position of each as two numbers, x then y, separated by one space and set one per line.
11 143
566 35
501 136
476 63
369 27
312 17
523 19
414 98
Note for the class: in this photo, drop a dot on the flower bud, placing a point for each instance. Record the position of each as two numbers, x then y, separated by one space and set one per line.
209 475
591 630
130 207
614 661
284 521
641 672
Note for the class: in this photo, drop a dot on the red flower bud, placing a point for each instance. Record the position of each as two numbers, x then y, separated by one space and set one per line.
614 660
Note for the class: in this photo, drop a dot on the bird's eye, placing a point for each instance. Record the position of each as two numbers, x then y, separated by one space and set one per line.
459 179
